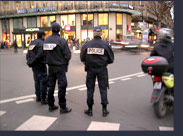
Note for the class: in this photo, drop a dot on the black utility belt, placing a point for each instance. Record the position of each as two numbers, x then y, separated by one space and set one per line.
96 66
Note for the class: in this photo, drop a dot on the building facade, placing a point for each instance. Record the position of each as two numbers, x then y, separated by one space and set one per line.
21 20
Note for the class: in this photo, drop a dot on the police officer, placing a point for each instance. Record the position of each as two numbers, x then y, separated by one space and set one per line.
96 55
164 47
36 60
57 58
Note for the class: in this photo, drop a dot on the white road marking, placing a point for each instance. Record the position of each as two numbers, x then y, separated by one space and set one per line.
2 112
37 123
124 79
24 101
70 88
82 89
103 126
110 82
166 128
141 75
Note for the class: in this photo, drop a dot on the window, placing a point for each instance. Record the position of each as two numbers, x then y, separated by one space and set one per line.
31 22
71 20
90 19
44 21
128 19
67 19
47 21
17 23
119 18
63 21
103 19
5 25
52 19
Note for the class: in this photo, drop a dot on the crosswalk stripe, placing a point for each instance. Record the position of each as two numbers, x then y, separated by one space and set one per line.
103 126
166 128
2 112
82 89
24 101
37 122
141 75
125 79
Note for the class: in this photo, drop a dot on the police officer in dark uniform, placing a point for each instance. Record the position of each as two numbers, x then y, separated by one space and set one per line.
36 60
165 47
57 58
96 55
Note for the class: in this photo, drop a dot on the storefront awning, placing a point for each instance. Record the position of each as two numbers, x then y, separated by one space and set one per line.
128 11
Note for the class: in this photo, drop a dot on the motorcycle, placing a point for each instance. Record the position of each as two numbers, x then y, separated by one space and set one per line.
163 84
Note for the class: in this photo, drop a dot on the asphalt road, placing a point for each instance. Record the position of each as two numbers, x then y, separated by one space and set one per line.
129 97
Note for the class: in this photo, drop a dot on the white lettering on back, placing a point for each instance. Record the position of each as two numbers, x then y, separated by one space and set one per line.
49 46
98 51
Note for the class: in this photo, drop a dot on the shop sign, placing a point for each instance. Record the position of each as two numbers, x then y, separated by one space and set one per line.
32 29
67 28
23 11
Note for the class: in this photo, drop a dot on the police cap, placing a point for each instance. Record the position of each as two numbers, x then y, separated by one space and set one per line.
55 27
97 29
40 33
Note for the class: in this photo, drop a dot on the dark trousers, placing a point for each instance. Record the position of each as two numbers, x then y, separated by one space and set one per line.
102 77
57 73
40 80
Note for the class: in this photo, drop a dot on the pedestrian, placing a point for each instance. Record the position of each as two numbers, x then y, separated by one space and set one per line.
165 47
15 46
36 60
58 56
96 55
22 44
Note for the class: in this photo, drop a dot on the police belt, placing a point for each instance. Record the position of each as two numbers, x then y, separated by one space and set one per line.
96 67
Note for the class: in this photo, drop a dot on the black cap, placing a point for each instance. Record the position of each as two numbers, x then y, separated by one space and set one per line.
40 33
55 27
97 29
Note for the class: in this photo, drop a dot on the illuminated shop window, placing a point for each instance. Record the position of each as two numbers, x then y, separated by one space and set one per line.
52 19
119 35
71 20
63 21
90 19
47 21
105 34
84 34
67 20
103 19
119 19
44 21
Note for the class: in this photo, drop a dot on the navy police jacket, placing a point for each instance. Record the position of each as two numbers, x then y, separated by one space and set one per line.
35 55
96 53
56 50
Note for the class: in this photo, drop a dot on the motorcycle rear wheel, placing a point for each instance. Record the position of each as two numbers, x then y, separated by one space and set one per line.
160 108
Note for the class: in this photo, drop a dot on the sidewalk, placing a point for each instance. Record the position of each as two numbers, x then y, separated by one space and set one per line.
11 51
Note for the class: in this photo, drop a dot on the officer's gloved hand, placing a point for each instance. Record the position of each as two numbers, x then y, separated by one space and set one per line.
28 64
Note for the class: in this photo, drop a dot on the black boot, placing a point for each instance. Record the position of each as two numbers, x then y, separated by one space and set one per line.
104 110
38 99
89 111
65 110
44 101
52 108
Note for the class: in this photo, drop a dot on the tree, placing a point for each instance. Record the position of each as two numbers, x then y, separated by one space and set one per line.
161 9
